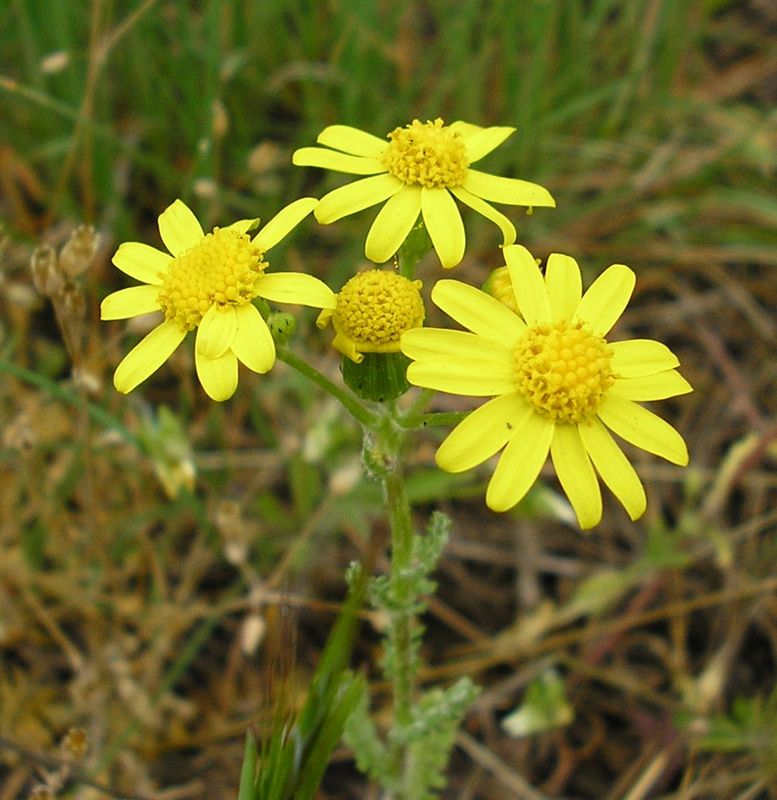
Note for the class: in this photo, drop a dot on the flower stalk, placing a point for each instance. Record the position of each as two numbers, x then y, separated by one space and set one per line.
385 459
403 657
356 409
400 520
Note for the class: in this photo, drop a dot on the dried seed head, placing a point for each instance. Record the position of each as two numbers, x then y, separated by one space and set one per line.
73 301
46 274
79 251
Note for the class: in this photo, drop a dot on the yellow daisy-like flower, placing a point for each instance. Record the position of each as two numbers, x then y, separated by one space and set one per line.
208 282
419 170
558 384
374 308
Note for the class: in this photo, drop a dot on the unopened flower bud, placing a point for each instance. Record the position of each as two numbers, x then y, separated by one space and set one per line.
282 326
499 285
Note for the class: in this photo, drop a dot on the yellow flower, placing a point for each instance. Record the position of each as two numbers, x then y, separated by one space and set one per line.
373 309
419 171
208 283
558 384
499 285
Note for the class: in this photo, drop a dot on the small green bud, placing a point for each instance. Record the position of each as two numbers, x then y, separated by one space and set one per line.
413 249
282 326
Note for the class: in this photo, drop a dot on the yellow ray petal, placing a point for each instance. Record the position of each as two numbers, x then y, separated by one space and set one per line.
430 344
218 376
481 142
297 288
244 225
130 302
352 140
481 434
147 356
142 262
458 376
616 470
179 228
356 196
651 387
520 463
606 298
489 212
444 225
528 285
576 475
510 191
643 429
635 358
564 285
339 162
283 222
478 311
253 343
466 129
216 332
393 223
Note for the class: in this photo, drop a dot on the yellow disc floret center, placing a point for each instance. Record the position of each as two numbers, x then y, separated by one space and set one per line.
374 309
220 270
427 153
564 370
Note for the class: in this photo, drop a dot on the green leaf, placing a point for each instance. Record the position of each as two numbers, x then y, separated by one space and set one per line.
436 719
329 734
293 760
248 771
362 736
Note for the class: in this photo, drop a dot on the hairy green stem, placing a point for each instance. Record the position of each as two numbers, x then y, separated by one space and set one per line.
401 556
415 413
387 453
402 667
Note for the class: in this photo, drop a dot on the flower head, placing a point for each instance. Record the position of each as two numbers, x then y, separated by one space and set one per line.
557 384
374 308
419 171
499 285
208 283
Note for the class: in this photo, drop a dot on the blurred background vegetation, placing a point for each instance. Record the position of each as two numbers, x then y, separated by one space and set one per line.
169 568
